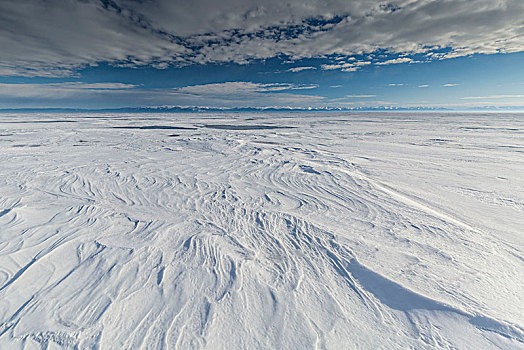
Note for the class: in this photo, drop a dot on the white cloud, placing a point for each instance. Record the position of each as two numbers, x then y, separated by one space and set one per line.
61 90
239 93
96 86
337 66
492 97
396 61
346 66
423 86
246 94
241 87
362 63
300 69
230 94
53 38
360 96
479 103
450 85
396 84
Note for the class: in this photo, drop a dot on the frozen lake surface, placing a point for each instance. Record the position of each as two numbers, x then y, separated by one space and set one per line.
262 231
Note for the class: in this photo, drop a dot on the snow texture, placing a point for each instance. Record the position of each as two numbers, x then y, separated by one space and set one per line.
262 231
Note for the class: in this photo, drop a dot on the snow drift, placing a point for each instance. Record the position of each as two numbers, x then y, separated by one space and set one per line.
262 231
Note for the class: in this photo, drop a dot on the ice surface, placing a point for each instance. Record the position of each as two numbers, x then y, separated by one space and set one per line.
262 231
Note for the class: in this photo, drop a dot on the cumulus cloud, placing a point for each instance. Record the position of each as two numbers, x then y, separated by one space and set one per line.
337 66
54 38
300 69
396 61
346 66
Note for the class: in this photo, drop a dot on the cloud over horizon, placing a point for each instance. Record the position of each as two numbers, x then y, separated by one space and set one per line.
235 93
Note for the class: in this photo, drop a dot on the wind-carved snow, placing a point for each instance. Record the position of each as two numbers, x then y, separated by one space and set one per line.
283 231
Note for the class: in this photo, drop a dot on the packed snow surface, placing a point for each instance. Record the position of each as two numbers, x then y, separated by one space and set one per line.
262 231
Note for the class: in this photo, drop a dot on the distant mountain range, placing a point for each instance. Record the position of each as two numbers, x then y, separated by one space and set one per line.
198 109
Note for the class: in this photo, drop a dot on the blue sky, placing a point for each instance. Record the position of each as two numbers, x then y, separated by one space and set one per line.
99 54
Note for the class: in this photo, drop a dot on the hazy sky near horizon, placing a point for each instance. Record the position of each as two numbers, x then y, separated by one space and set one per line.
339 53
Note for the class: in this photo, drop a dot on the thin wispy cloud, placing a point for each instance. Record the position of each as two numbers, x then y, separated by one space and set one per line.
491 97
219 94
245 94
62 90
241 93
236 87
423 86
360 96
450 85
